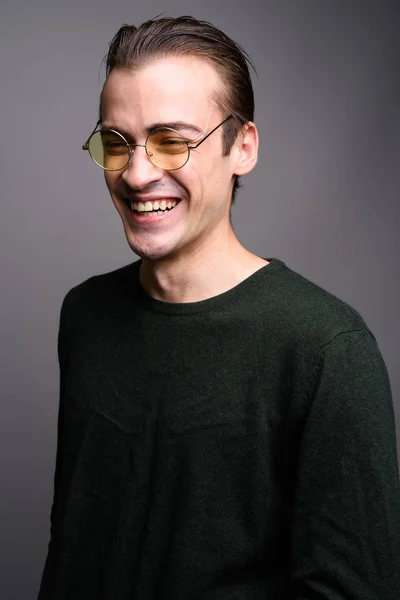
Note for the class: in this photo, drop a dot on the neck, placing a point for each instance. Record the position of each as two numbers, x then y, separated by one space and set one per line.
200 274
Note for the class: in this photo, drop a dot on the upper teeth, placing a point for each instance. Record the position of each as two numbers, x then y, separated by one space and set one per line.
150 206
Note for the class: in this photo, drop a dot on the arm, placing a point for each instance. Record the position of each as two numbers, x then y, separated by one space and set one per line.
346 518
64 343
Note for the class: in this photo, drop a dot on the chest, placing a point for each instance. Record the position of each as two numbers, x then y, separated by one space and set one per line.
179 378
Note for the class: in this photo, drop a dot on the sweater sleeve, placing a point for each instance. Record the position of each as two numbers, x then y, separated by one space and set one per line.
346 519
63 344
63 347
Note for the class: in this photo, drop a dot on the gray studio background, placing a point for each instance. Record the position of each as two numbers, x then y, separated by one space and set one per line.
324 196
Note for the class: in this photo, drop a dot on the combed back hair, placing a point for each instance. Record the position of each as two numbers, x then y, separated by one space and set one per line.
132 47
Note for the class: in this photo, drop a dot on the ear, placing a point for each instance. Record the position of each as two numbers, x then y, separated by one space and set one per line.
246 149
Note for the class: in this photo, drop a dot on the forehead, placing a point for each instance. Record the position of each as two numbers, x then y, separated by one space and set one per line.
168 89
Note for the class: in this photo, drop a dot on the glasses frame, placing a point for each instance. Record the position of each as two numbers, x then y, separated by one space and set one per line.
131 147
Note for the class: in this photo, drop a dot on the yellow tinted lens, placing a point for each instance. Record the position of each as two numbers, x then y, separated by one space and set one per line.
167 149
109 150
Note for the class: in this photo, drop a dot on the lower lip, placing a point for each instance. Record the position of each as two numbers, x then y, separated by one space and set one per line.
141 219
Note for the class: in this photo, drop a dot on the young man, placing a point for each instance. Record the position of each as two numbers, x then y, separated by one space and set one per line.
226 426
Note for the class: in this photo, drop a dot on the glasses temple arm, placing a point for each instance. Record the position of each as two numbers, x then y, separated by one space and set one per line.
208 134
86 144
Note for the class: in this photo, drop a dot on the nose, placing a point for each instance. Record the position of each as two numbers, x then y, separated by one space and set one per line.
140 171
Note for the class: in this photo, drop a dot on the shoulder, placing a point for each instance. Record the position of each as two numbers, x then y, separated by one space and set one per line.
327 351
307 313
103 288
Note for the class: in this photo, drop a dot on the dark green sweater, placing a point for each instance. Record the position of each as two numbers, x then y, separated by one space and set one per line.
237 448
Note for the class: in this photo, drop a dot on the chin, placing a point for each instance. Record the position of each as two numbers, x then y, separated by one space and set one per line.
150 250
149 255
153 245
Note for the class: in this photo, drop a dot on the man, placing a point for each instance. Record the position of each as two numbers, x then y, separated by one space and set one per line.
226 426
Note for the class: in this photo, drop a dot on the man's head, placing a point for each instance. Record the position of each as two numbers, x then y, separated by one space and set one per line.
189 76
132 47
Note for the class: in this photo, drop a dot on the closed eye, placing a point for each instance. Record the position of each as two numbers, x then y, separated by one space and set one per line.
115 147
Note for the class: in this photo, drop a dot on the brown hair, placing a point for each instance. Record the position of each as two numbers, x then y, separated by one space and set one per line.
133 46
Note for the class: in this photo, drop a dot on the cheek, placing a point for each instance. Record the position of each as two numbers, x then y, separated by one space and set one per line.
110 180
113 184
193 181
199 174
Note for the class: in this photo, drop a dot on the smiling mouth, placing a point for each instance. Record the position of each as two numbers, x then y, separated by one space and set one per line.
158 207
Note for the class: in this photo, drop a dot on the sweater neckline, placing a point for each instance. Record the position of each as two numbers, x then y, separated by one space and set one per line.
190 308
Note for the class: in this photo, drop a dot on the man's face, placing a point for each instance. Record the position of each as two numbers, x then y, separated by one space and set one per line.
168 91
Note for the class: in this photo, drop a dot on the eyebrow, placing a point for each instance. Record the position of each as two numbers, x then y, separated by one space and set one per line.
171 125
